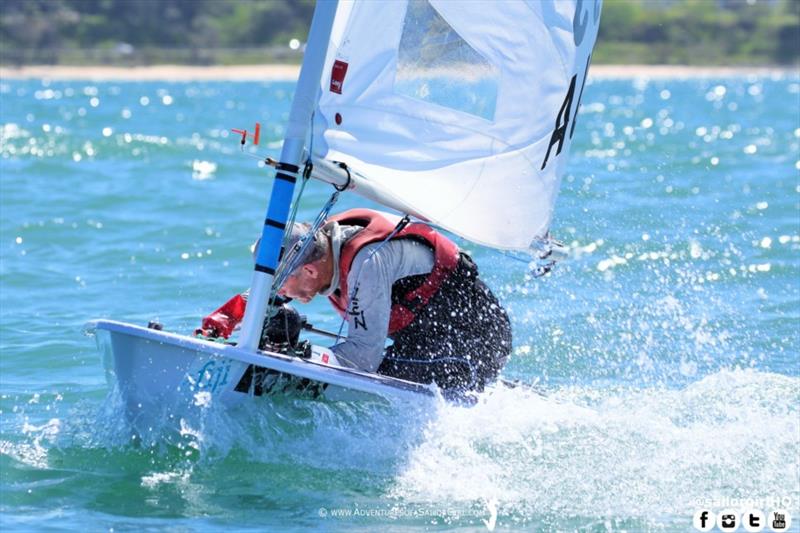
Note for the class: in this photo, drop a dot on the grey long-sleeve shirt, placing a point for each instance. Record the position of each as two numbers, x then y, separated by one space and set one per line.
375 269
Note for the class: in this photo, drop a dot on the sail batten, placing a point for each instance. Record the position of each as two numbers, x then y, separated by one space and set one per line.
463 110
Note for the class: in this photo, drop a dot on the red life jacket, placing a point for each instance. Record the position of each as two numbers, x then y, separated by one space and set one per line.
377 226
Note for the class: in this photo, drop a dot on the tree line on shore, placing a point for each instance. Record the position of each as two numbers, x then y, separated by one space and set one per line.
686 32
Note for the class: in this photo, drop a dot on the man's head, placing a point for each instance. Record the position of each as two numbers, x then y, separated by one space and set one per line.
314 265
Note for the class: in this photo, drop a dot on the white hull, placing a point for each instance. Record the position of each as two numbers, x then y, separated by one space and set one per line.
160 373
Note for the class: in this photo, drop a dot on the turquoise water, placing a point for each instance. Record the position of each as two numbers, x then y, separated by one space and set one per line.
668 343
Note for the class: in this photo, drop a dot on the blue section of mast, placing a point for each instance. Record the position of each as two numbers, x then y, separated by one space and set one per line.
275 221
305 101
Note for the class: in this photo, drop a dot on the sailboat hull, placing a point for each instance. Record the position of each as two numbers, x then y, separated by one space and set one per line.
158 374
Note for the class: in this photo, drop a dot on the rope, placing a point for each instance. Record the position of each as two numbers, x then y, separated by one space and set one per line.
543 255
537 266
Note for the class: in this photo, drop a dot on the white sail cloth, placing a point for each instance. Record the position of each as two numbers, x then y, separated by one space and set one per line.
451 107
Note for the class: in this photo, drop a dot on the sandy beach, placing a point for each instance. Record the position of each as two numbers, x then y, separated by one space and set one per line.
289 72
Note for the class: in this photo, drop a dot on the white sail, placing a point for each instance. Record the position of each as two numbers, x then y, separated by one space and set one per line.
451 107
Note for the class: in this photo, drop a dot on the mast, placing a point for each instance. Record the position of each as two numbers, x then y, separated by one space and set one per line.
305 100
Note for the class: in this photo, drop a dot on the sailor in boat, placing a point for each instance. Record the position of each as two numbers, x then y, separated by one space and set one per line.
408 283
413 286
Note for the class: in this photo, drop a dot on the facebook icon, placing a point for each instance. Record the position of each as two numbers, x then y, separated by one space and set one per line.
703 520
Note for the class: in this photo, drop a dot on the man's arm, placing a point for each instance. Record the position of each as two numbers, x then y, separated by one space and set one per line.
370 284
375 269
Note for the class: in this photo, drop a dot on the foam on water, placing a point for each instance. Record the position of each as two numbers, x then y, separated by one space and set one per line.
640 453
634 457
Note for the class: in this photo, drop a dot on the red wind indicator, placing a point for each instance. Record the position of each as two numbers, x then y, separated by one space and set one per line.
256 135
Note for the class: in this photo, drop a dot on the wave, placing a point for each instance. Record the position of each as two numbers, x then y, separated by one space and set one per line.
640 455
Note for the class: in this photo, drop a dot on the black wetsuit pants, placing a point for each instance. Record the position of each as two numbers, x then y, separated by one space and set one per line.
460 340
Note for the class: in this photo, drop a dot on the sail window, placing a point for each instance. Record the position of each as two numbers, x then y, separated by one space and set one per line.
437 66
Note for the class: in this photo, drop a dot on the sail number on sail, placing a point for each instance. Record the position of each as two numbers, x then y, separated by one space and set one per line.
580 24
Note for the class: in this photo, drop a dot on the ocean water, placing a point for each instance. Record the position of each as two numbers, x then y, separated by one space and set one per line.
667 345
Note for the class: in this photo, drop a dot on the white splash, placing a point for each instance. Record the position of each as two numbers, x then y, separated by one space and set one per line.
203 170
640 453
